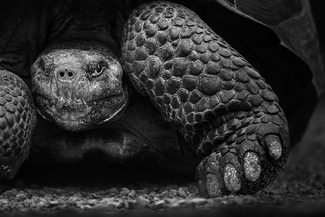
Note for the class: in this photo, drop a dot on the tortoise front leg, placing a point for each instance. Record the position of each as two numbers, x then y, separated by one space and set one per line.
205 89
17 122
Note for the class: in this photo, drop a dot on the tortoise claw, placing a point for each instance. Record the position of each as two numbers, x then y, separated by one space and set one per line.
209 178
213 185
274 146
232 178
252 166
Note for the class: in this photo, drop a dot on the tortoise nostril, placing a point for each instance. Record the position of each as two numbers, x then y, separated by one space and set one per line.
61 74
65 74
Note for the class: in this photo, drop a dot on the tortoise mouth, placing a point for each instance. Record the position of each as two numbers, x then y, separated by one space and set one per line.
79 115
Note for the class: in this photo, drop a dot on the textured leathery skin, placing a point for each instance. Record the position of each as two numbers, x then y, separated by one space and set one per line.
17 122
205 89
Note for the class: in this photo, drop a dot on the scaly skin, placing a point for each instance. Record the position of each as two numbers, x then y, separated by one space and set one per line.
17 123
205 89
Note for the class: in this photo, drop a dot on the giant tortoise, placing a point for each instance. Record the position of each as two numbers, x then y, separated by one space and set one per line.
221 86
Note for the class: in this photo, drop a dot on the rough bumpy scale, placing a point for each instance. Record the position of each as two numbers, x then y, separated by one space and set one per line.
226 119
17 123
205 89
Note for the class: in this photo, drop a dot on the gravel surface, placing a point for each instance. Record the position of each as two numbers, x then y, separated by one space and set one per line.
92 191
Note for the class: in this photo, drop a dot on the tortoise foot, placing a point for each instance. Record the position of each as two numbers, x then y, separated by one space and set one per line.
219 102
245 165
17 122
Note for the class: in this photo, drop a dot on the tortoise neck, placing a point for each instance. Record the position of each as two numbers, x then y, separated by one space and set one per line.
98 20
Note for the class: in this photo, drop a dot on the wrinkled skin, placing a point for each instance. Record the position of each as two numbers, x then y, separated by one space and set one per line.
78 89
226 119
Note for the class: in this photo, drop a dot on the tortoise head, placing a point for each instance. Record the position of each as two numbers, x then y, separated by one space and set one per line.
78 85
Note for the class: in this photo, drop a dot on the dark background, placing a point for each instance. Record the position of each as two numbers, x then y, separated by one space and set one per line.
319 15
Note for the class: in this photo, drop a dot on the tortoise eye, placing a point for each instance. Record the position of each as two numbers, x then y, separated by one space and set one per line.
41 65
98 69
